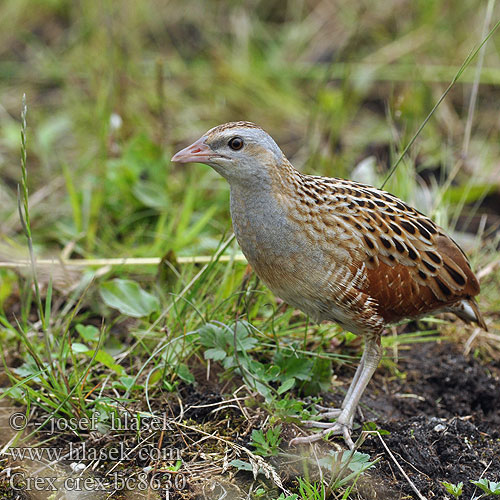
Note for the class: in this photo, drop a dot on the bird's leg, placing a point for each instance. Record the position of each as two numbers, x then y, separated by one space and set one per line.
355 379
343 425
327 412
373 355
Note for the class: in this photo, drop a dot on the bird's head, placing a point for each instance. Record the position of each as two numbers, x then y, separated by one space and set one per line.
239 151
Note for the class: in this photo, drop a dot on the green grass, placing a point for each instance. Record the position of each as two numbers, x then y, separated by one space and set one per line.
113 89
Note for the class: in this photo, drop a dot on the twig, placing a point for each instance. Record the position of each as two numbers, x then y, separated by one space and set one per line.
480 477
126 261
468 344
485 271
410 482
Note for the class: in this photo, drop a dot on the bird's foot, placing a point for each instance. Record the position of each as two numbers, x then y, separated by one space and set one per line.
329 429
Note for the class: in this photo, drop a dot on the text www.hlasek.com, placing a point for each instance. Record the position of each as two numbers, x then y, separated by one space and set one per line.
82 452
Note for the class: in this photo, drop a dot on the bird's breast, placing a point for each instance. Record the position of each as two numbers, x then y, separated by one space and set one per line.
264 232
281 254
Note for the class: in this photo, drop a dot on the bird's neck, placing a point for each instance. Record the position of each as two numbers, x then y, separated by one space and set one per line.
260 214
268 192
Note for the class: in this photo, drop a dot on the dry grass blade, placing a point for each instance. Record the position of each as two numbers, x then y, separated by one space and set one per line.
125 261
477 76
257 462
393 458
487 270
462 68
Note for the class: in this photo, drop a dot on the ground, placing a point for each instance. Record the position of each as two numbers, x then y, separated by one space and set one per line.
443 422
439 421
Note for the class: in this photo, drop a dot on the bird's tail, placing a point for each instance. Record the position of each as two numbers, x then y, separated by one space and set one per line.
468 310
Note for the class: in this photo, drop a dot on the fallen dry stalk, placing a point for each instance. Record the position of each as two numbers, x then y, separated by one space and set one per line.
126 261
410 482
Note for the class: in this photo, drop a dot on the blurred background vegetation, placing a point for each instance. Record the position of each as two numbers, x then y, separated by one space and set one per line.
114 88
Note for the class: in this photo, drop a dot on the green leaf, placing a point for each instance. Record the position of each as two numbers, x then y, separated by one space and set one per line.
272 372
468 193
286 385
50 131
184 373
176 467
293 366
210 334
151 194
101 356
79 348
129 298
107 360
453 489
372 426
247 343
27 369
266 444
489 487
126 382
90 333
155 378
215 353
258 437
244 340
359 461
240 465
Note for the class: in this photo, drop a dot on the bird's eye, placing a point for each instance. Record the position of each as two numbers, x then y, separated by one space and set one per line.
235 143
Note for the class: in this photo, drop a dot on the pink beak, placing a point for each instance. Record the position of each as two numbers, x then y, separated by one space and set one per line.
198 152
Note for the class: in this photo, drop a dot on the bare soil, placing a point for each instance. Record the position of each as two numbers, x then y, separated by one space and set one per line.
444 423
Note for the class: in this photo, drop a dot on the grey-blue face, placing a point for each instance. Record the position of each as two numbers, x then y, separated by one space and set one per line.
236 150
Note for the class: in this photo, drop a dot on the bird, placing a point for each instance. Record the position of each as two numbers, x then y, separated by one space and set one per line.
338 250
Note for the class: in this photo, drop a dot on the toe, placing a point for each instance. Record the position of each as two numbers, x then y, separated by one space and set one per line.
347 437
328 412
317 423
306 439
